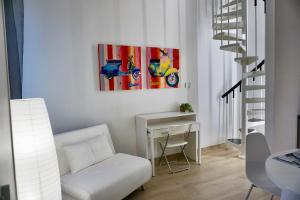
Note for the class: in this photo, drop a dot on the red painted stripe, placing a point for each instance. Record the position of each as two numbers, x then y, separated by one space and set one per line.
109 51
176 61
110 56
148 78
138 64
124 53
155 53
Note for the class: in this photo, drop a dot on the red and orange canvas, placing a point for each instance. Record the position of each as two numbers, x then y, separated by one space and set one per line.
163 68
119 67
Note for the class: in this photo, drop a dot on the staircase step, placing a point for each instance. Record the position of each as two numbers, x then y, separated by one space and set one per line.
250 130
256 120
254 74
232 8
255 125
254 100
236 142
236 47
258 128
256 112
230 25
255 87
247 60
231 15
226 36
231 3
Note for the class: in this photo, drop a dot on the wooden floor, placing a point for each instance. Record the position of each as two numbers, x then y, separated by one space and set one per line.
220 177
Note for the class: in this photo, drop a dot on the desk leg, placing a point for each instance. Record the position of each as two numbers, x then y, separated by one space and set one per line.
199 148
152 154
196 147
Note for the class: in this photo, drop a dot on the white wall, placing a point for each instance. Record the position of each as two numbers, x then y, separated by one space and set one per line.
60 60
217 73
61 65
283 73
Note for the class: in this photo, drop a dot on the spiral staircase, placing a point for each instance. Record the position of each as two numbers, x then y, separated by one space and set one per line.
231 29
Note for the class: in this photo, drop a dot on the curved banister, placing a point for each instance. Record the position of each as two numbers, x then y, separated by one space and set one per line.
231 90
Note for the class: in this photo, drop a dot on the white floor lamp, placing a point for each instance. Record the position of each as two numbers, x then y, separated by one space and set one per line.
37 173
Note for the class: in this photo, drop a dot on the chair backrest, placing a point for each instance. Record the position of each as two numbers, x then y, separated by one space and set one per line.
289 195
184 129
257 149
77 136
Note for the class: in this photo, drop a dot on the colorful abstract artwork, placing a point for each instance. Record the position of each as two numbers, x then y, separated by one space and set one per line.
163 67
119 67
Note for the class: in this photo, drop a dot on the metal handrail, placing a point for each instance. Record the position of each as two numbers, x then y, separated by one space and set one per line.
239 84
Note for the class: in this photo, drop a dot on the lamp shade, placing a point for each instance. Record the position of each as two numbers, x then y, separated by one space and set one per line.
36 165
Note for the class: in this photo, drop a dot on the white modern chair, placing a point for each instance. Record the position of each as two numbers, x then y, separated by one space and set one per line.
289 195
257 152
177 137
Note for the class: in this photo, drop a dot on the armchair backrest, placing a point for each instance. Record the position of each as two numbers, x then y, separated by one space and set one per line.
77 136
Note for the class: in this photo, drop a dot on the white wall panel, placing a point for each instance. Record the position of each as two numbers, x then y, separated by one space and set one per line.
60 61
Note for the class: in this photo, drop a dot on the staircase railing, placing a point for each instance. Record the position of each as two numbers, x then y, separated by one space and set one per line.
243 110
239 84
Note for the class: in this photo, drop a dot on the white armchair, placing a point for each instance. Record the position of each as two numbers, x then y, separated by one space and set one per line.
100 173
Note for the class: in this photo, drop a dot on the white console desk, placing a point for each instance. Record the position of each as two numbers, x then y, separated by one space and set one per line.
150 127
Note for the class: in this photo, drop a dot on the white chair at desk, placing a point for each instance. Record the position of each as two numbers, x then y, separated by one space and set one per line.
173 141
153 126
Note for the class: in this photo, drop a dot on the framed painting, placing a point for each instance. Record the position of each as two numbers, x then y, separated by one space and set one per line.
119 67
163 68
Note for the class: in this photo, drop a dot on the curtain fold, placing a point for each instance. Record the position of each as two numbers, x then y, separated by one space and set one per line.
14 24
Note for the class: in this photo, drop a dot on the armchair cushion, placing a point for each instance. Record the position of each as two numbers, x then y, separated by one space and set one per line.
113 178
78 136
100 147
79 156
87 153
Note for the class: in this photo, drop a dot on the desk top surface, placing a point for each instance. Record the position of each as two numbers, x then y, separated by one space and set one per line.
165 115
165 125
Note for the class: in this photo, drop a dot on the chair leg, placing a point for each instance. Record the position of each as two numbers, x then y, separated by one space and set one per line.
163 149
162 153
249 192
167 161
272 197
186 158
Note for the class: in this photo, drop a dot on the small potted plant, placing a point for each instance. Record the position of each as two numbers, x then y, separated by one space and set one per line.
186 107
